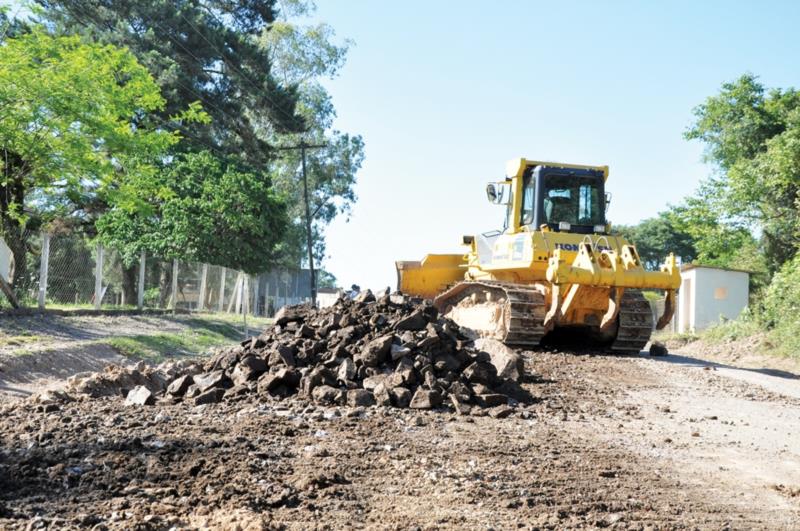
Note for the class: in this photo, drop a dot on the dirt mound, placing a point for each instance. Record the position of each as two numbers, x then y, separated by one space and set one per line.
388 350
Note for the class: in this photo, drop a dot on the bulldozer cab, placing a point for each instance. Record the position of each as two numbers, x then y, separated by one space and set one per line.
566 200
554 197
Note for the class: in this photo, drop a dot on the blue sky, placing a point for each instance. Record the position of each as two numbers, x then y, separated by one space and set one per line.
445 92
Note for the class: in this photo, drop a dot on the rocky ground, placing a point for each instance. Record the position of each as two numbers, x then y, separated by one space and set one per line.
627 442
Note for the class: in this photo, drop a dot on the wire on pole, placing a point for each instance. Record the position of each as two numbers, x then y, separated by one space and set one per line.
302 146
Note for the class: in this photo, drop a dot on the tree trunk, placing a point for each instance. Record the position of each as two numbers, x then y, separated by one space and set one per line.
12 198
130 280
165 285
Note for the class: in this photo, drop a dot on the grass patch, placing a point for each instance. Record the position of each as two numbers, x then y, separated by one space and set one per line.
158 347
734 330
7 340
205 331
653 295
23 340
233 319
86 306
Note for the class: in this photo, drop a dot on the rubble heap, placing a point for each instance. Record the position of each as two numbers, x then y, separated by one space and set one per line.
388 350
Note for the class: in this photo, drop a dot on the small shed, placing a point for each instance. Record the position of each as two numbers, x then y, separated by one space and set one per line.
328 296
709 294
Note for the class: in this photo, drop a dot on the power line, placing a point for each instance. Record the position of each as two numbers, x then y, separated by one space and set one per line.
170 126
224 58
189 89
222 55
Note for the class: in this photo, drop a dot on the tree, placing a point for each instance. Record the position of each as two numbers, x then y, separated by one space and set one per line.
656 237
325 279
204 209
199 50
752 137
301 56
256 74
74 120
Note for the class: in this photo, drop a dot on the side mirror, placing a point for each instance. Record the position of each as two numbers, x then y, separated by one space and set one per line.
498 193
491 193
608 200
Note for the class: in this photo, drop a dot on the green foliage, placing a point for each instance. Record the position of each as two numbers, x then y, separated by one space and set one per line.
656 237
302 55
775 316
204 209
752 136
325 279
202 51
727 331
73 120
717 243
781 301
68 113
257 74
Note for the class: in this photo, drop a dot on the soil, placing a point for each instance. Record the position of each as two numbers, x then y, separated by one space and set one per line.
626 442
44 350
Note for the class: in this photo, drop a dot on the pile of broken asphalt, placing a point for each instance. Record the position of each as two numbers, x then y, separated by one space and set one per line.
385 350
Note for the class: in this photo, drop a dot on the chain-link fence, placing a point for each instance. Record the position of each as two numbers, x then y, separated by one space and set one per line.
70 276
67 271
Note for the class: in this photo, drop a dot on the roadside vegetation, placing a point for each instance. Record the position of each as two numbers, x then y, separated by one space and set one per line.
745 215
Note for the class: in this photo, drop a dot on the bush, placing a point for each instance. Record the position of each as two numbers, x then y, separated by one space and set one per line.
780 308
744 326
781 302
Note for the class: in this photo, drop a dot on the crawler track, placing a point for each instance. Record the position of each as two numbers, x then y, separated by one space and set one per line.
521 320
635 323
523 308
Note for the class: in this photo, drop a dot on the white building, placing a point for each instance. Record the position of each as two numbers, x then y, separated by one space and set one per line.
328 296
708 294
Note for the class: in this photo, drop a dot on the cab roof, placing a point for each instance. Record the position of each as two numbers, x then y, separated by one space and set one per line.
516 167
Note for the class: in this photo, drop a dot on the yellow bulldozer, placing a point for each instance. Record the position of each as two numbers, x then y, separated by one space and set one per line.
554 268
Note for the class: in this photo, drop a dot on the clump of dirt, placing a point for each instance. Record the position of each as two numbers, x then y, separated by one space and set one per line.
388 350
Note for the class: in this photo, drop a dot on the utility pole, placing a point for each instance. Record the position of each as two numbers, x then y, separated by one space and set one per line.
302 146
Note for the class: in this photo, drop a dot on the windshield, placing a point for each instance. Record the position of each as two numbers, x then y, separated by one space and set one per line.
575 200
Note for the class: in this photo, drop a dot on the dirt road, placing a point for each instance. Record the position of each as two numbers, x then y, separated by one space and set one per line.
604 441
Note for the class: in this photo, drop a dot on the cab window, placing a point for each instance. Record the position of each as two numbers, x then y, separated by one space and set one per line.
572 200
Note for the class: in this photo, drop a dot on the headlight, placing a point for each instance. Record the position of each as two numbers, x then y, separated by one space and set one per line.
599 228
563 225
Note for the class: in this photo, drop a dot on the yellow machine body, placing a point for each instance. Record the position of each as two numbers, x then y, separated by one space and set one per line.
581 276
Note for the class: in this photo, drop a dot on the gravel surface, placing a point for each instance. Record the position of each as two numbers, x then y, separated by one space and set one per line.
604 441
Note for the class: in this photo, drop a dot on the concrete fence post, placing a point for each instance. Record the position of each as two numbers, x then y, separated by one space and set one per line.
140 287
201 299
98 277
44 268
236 295
256 283
221 303
174 296
245 300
